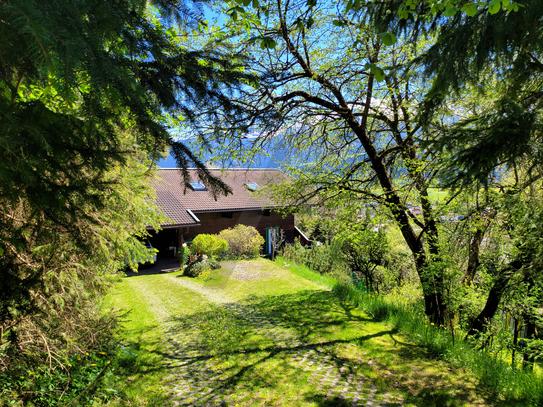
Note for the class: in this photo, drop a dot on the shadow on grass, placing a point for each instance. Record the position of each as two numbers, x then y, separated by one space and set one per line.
257 337
136 366
161 266
336 401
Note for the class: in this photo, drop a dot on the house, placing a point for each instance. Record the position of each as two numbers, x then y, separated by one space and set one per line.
194 210
415 210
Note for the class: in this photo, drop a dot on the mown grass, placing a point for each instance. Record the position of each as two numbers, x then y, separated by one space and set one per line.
242 279
436 194
158 303
509 385
307 305
138 369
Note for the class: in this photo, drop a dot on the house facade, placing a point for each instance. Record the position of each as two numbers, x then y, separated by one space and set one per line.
193 210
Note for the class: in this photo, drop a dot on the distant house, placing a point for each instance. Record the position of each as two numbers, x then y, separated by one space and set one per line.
416 210
194 210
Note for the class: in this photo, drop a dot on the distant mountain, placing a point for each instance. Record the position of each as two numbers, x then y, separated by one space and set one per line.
274 160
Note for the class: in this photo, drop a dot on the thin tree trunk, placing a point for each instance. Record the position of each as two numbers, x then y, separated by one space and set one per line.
529 359
515 341
475 248
473 260
480 323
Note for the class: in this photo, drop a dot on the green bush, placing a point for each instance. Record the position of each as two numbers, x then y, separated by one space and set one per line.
365 251
203 263
212 245
184 253
244 241
318 258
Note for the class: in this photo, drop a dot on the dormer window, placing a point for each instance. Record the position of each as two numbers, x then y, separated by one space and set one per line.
252 186
197 186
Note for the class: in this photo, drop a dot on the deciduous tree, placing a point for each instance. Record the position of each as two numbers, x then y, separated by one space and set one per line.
354 121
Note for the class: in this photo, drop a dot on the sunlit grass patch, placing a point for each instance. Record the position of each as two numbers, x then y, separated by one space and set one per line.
436 194
149 300
260 333
439 346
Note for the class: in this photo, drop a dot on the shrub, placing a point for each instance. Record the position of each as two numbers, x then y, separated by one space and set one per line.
203 263
365 251
184 253
212 245
318 258
244 241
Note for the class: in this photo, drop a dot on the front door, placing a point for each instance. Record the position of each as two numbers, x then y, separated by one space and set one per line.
272 239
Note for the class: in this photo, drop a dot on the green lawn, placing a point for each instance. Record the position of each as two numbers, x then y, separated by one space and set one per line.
437 194
253 333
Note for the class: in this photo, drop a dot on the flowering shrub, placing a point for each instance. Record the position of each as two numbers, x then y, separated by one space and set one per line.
244 241
200 266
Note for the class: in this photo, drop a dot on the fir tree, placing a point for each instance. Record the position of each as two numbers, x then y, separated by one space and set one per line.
88 91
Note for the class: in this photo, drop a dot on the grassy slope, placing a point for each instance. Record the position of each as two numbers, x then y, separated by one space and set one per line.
252 363
436 194
149 300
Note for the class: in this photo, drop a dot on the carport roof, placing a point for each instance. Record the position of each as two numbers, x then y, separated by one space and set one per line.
178 201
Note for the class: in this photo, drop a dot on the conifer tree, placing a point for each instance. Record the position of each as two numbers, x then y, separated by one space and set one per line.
75 76
89 91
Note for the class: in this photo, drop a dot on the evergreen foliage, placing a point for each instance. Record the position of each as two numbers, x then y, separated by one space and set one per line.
89 92
54 277
74 74
75 78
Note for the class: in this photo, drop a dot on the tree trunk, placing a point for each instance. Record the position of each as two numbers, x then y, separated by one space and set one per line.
475 249
527 354
473 260
480 323
432 287
515 341
435 306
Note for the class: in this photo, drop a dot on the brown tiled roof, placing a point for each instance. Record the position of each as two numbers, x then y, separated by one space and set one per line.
175 200
173 209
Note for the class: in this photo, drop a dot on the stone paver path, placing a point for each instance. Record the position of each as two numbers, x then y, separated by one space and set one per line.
199 378
254 333
269 349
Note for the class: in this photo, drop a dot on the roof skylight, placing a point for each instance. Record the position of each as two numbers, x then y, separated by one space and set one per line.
253 186
197 186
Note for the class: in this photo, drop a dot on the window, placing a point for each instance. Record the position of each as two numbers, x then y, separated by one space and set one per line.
197 186
252 186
